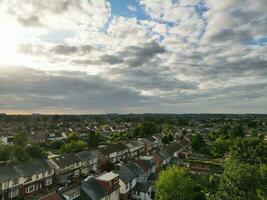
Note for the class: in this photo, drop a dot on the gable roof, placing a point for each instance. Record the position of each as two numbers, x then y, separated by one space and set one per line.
112 148
126 174
135 168
87 155
145 164
32 168
66 160
142 187
93 189
8 173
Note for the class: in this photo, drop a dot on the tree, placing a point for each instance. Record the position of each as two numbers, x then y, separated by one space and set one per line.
73 137
56 144
166 139
249 150
73 147
198 143
242 181
4 153
237 131
20 154
20 139
145 129
36 152
175 183
94 139
220 147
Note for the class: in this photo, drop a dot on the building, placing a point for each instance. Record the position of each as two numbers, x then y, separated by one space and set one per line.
127 181
36 176
67 167
10 182
143 191
89 161
103 187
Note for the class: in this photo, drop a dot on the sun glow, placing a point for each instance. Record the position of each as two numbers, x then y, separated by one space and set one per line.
8 45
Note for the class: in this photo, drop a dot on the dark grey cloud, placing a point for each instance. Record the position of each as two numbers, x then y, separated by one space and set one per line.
151 77
33 89
134 56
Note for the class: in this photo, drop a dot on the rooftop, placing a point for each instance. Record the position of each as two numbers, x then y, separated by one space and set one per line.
107 176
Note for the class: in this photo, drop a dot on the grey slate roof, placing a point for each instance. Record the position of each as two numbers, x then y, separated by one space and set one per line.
66 160
87 155
142 187
126 174
135 168
32 168
8 173
111 148
93 189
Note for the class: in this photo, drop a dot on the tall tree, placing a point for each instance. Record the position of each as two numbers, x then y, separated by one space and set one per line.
175 183
4 152
20 139
243 181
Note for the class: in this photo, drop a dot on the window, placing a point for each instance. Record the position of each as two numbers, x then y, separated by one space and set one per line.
50 172
30 188
15 181
13 193
48 182
5 185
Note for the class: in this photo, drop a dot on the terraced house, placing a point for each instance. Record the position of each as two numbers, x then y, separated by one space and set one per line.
26 179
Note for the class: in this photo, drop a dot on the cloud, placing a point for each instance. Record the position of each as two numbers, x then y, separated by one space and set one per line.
182 56
26 88
134 56
60 14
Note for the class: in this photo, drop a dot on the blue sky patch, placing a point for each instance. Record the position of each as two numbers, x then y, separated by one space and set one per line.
128 8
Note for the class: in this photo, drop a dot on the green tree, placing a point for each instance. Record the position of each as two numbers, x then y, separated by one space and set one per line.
175 183
242 181
249 150
94 139
56 144
4 152
19 154
237 131
73 146
198 143
220 147
36 152
20 139
73 137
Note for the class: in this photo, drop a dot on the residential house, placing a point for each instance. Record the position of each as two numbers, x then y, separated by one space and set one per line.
10 182
6 138
137 170
113 152
143 191
103 187
36 176
89 161
70 193
67 167
127 181
148 165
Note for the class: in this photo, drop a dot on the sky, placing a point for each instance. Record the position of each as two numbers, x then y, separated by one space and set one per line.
133 56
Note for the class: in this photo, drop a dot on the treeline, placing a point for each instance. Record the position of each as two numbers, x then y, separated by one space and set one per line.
245 169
